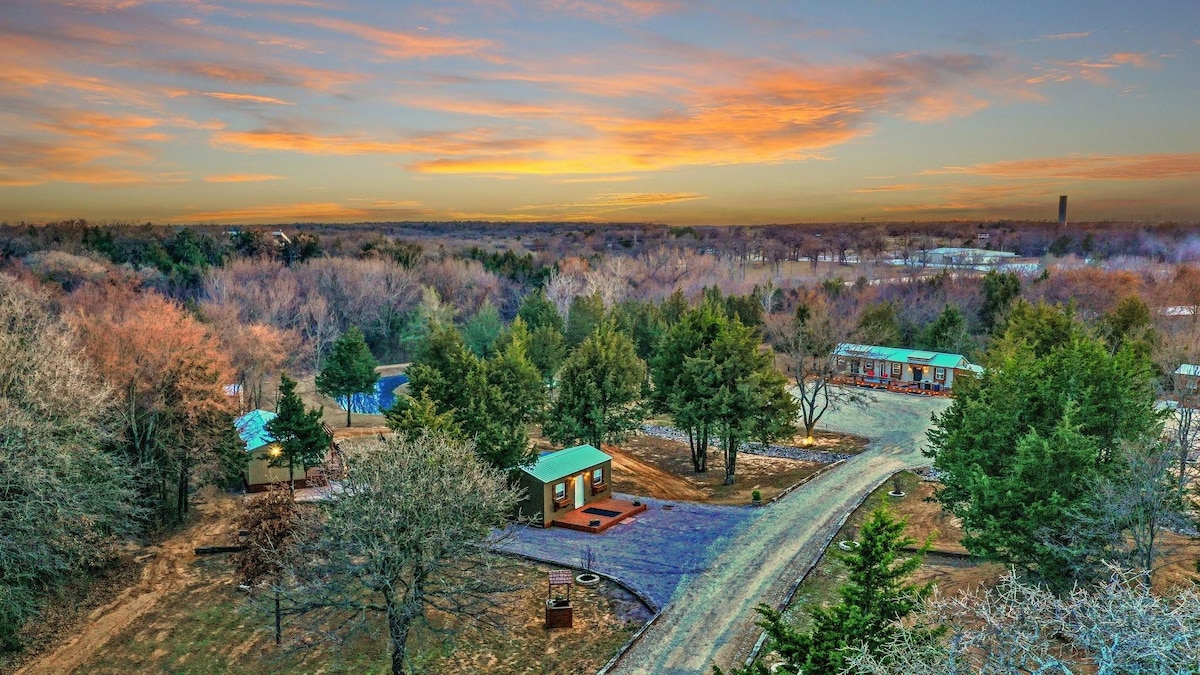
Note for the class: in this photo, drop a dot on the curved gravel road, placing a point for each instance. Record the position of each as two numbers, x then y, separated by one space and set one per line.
710 618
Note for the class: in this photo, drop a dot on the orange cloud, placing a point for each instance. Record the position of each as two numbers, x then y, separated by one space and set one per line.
1087 167
942 106
763 116
613 9
316 144
308 211
242 178
596 179
400 44
245 98
1093 70
899 187
614 201
314 79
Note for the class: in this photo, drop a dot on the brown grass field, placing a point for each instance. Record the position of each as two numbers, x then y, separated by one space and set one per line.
184 614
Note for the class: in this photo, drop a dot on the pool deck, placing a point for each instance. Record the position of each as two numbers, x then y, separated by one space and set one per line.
595 523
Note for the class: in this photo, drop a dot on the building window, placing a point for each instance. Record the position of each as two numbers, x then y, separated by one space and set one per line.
939 374
841 363
598 476
896 369
560 491
854 367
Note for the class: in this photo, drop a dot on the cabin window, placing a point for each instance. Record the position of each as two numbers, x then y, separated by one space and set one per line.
939 374
854 367
896 370
560 491
841 363
598 476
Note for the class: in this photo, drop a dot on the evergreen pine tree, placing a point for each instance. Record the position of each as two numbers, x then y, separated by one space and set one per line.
872 602
349 370
299 432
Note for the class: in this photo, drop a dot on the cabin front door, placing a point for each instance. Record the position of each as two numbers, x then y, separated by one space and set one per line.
918 374
579 490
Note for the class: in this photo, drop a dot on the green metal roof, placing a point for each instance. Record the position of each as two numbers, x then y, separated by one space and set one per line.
252 428
1188 369
556 465
914 356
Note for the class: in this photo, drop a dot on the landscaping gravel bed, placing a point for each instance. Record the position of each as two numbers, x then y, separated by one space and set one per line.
784 451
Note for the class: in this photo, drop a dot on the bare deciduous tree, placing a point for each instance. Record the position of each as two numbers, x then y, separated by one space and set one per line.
65 502
408 532
1118 626
805 342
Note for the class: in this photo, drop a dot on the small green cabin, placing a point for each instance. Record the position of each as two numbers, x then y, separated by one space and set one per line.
563 481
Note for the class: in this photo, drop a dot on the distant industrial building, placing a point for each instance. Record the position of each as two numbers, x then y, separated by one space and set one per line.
952 256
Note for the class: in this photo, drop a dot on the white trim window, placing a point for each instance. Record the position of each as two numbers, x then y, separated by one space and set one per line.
560 491
897 370
939 374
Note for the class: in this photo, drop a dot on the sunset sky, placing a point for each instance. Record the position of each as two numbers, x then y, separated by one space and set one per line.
675 111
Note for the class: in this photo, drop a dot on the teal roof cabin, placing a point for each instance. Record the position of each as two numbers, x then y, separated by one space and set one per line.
563 481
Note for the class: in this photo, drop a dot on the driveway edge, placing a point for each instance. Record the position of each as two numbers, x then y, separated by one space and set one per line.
787 599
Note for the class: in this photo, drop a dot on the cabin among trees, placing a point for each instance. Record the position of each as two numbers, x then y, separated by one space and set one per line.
262 447
572 488
900 369
1187 379
564 481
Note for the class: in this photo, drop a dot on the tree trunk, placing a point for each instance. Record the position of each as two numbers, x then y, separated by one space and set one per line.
730 449
348 400
291 478
399 624
691 432
181 497
278 619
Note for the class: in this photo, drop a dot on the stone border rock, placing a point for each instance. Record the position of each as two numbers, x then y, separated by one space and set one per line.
781 451
788 490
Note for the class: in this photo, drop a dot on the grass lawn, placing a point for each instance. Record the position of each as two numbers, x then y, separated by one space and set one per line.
210 627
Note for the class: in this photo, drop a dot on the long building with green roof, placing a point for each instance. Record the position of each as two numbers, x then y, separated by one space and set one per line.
897 368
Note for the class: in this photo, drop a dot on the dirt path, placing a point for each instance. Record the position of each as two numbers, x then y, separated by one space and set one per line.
642 478
711 617
165 572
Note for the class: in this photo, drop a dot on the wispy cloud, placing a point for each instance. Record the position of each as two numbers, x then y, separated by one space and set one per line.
602 205
1098 71
612 10
1056 37
1086 167
307 212
401 44
596 179
245 98
242 178
898 187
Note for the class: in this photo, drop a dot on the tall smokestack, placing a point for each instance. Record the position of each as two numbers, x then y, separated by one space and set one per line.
1062 210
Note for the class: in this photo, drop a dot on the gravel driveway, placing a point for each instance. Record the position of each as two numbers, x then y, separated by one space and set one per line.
710 618
653 551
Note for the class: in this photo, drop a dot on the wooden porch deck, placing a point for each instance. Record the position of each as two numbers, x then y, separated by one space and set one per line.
606 512
890 385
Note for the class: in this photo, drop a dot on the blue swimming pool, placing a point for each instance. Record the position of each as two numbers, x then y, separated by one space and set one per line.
382 399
